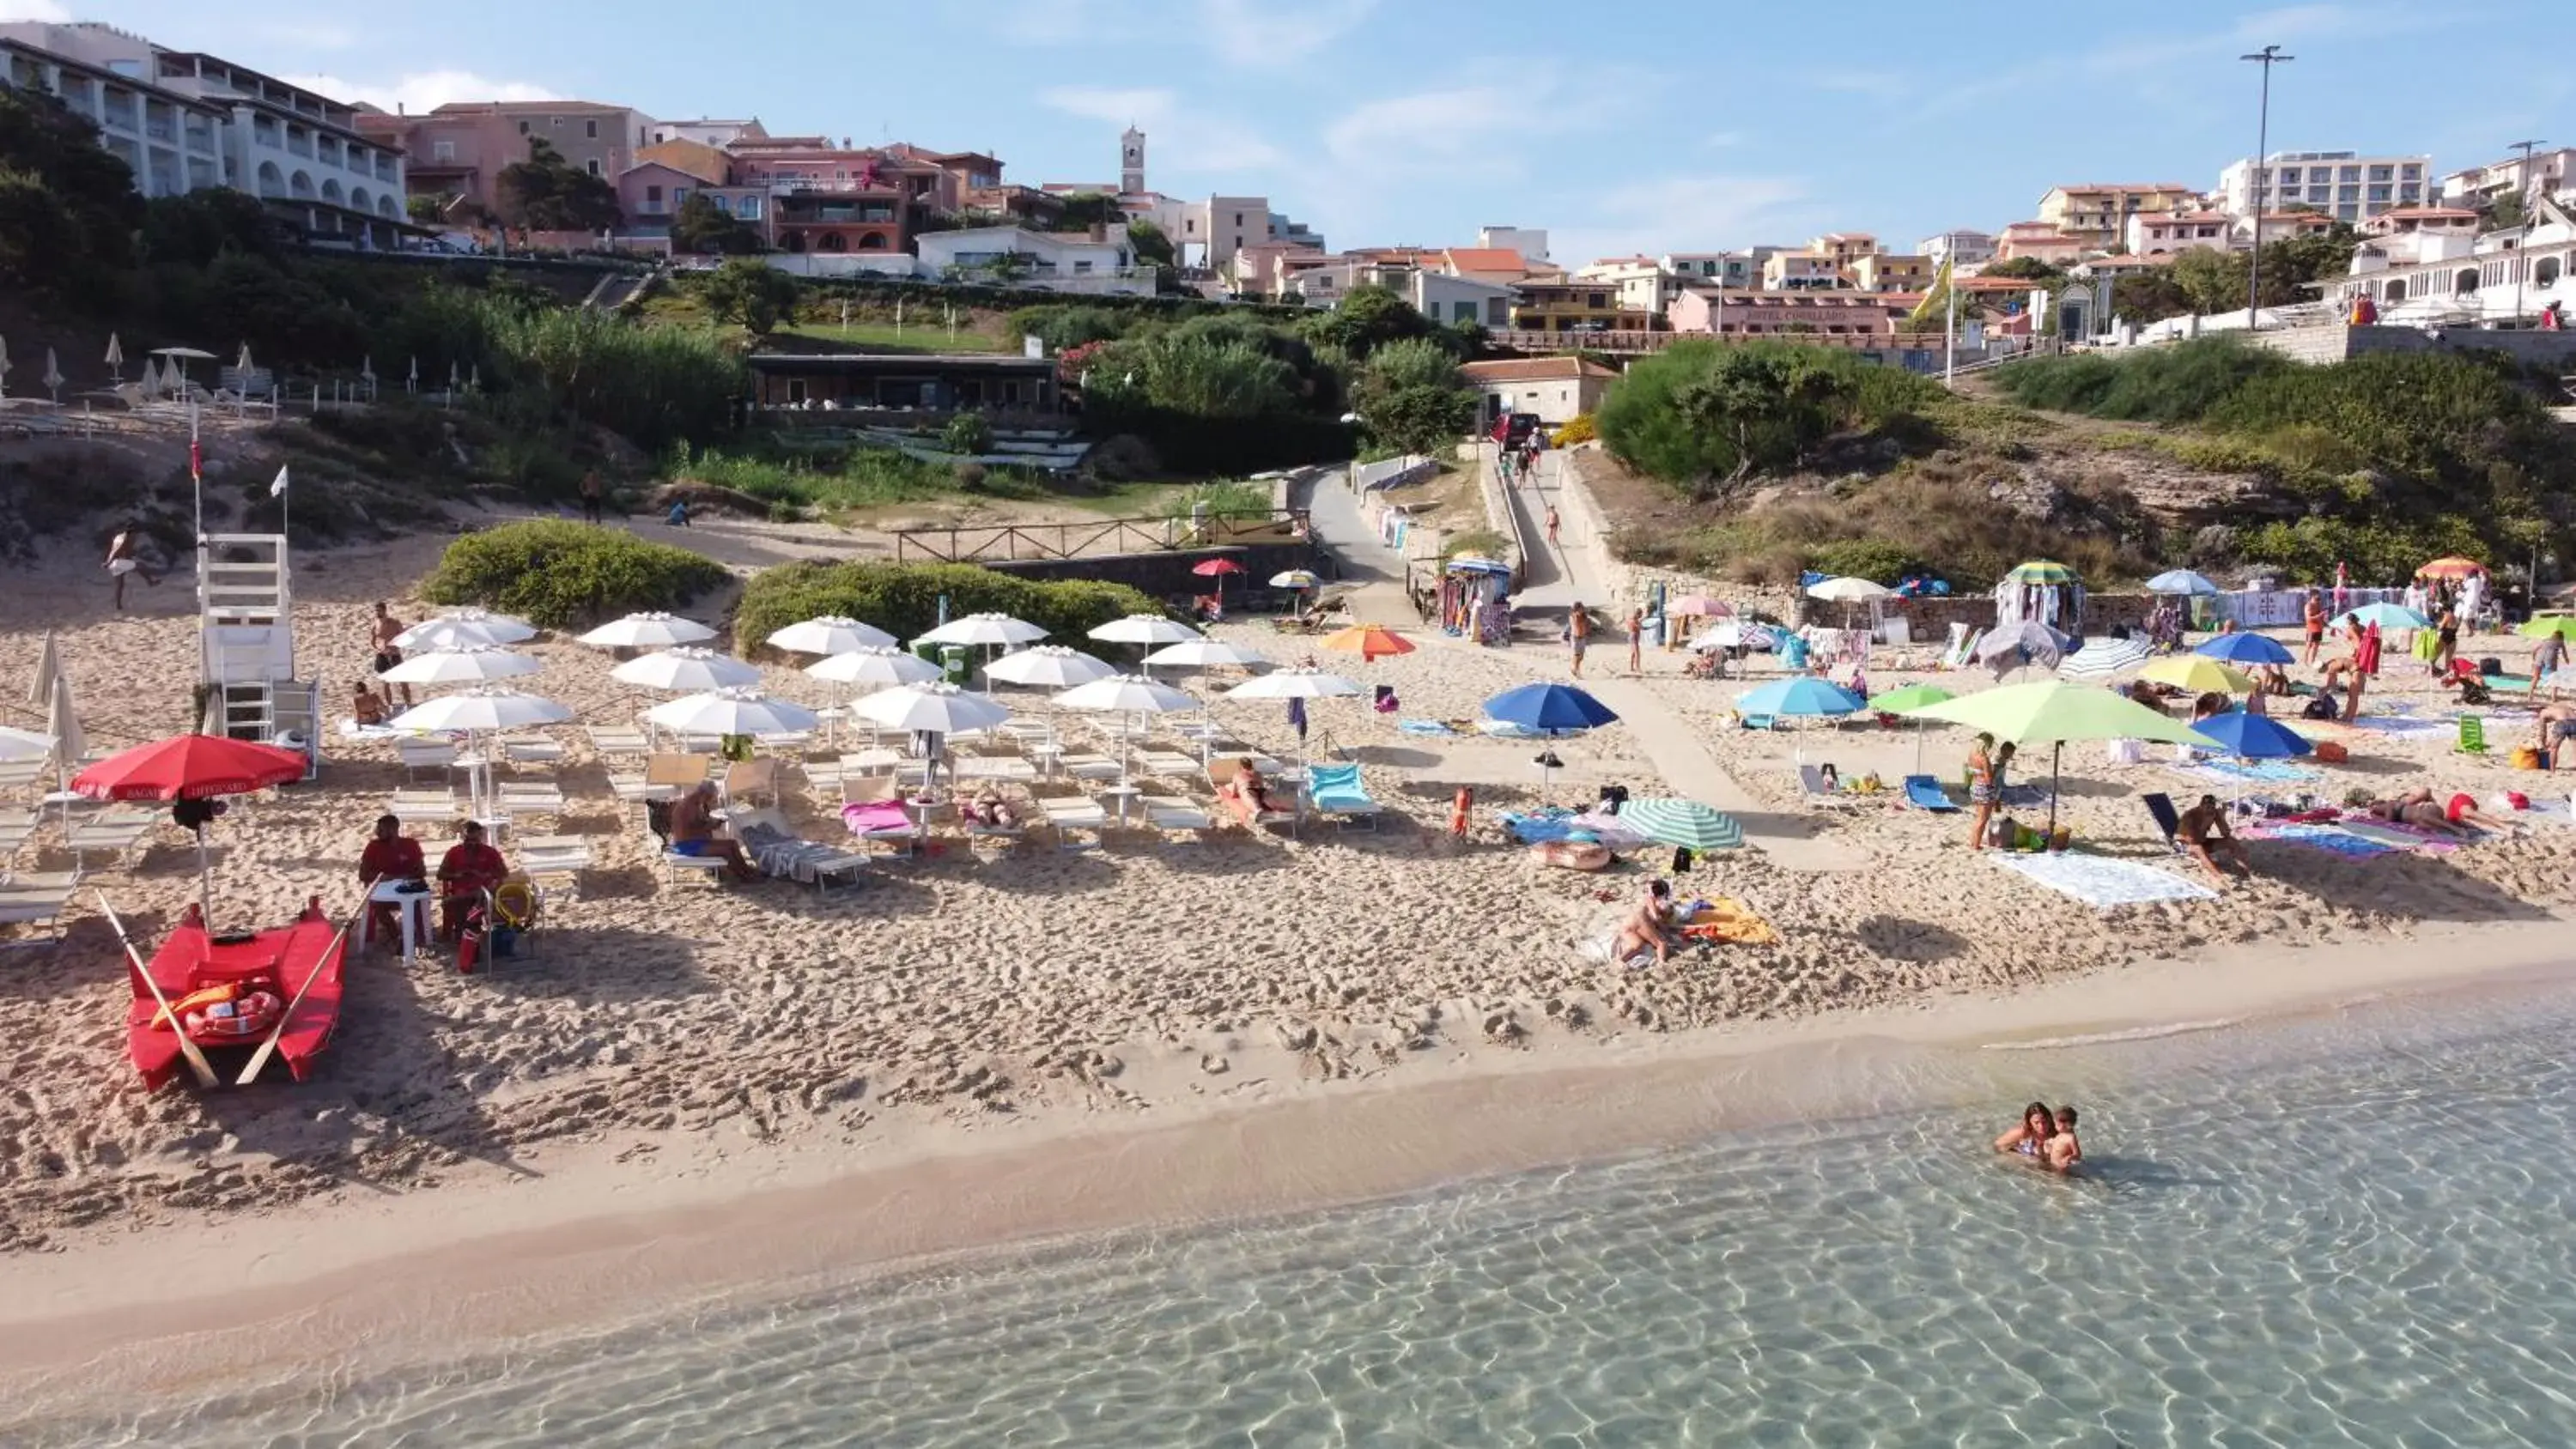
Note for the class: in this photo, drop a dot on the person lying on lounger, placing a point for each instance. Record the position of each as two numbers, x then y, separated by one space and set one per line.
2204 833
1244 796
693 832
989 809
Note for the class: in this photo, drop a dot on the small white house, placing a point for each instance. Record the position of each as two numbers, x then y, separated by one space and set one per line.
1556 389
1096 264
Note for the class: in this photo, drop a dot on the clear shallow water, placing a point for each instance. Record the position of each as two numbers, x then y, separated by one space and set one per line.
2358 1230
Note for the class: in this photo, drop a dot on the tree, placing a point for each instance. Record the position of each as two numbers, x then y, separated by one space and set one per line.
426 210
1369 317
68 208
703 227
2149 296
752 292
1084 210
1411 396
548 193
2023 268
200 226
1146 240
2505 212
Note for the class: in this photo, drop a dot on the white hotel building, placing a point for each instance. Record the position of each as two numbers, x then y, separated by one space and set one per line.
2345 185
185 120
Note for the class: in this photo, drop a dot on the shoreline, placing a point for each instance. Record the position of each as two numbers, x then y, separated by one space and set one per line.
584 1239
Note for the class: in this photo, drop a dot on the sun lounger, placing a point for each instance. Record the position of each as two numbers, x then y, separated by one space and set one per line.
37 901
113 832
532 751
1168 765
1336 790
744 779
708 868
531 797
994 767
1925 793
1087 767
553 861
667 777
618 739
20 774
425 755
1072 812
423 807
779 851
1174 813
2168 820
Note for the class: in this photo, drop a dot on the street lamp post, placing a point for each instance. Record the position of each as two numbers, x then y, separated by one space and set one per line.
1950 298
2268 57
2521 260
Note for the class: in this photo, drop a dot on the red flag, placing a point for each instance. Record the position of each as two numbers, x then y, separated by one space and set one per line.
1501 431
196 455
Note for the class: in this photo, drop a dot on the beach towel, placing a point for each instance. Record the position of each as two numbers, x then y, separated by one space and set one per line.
2399 728
2398 837
2332 838
1730 922
2269 771
1424 727
868 818
2103 883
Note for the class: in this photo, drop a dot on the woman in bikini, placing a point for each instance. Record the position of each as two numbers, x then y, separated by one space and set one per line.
2417 808
1650 927
2036 1127
1982 791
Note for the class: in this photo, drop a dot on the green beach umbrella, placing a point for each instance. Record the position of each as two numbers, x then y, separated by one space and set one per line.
1908 698
2563 625
1686 823
2052 711
2042 571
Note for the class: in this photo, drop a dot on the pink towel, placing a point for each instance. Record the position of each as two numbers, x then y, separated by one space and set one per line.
876 815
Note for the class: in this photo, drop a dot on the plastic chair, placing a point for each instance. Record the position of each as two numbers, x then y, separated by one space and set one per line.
2473 735
2168 820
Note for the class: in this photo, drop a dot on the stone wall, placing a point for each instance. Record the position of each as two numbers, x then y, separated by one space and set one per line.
2334 342
1165 574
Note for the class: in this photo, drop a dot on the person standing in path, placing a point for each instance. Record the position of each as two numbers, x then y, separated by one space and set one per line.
382 633
1636 640
1551 525
1578 633
591 491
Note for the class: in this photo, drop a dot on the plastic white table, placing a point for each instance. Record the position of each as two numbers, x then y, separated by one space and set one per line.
411 906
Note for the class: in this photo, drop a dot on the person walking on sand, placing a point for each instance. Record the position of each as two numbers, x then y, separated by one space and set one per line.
381 634
2446 638
2315 621
1578 634
1982 791
591 492
1636 640
121 561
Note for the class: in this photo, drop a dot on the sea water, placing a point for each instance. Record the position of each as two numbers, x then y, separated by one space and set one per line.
2350 1229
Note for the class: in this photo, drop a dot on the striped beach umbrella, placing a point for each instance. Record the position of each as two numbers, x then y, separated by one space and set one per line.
2102 659
2042 571
1684 823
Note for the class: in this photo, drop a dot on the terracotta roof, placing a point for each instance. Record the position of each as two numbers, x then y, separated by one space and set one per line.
2121 186
1485 259
1996 284
1535 369
2427 211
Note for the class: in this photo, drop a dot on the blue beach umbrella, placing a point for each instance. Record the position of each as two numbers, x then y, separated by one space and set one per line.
2245 649
2253 736
1548 707
1804 694
2180 581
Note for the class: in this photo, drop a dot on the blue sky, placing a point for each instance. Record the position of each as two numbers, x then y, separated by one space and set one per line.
1653 125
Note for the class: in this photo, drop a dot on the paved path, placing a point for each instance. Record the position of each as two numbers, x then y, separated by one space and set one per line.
1362 560
1552 580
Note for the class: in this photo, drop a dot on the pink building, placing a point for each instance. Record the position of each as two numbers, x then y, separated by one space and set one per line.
2161 233
2040 239
458 150
1842 315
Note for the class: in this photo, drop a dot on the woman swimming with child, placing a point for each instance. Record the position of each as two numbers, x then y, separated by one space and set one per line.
2046 1138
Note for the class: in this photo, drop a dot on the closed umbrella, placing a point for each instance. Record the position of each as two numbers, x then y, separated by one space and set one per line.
652 629
2244 649
53 378
115 358
686 669
2180 581
63 723
732 712
49 667
2102 659
2051 712
1049 666
1686 824
830 634
471 664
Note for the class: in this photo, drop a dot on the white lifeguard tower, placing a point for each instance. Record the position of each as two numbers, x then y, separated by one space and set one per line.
246 619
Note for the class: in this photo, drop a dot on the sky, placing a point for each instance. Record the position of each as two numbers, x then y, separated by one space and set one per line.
1649 126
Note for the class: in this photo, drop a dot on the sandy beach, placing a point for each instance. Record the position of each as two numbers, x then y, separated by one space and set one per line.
1234 1013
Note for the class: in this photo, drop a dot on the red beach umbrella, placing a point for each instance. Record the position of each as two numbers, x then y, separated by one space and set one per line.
190 767
1217 569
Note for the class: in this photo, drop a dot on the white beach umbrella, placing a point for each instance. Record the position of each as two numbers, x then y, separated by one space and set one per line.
472 664
686 669
1144 629
882 664
1127 694
465 628
1051 666
49 667
487 710
929 708
993 630
731 712
2103 658
830 634
1847 591
652 629
17 745
63 723
1201 653
115 356
1295 684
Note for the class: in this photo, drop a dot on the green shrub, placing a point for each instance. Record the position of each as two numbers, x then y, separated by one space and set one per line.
967 433
2178 384
1476 543
1701 410
1878 560
903 599
561 574
1225 497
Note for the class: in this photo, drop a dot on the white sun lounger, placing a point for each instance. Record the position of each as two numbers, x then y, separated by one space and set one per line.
1087 767
617 740
1168 765
530 751
37 901
1072 812
531 797
554 860
419 755
1172 812
421 807
779 851
113 832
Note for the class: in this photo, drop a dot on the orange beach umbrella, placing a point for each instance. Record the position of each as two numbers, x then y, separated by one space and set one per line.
1368 641
2454 567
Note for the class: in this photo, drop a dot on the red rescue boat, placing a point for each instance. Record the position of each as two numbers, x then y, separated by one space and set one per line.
229 992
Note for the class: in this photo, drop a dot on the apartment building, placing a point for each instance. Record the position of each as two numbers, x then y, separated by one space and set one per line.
1097 264
2447 275
1637 284
1721 269
171 141
2040 239
1566 304
2457 220
827 199
709 132
2345 185
459 150
1798 271
1843 316
2170 233
1530 242
1845 247
1890 272
2095 213
2545 173
1966 248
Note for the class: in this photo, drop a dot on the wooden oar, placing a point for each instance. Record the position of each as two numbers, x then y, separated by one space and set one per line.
259 1059
197 1064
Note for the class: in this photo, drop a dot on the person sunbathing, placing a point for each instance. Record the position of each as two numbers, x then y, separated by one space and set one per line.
1649 927
693 832
369 708
1245 796
2203 833
2416 808
990 810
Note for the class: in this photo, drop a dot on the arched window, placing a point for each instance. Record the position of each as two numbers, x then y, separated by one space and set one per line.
359 200
300 184
331 190
796 241
2397 291
2546 271
272 182
2465 283
872 242
385 206
833 241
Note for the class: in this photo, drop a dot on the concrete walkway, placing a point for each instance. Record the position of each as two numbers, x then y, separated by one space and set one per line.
1552 580
1361 560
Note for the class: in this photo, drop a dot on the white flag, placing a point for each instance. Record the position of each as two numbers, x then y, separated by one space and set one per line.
278 488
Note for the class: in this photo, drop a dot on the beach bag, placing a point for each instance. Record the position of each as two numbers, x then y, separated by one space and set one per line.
2490 666
2525 757
2331 752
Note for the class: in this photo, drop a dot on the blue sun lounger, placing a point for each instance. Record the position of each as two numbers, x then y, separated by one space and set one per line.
1925 793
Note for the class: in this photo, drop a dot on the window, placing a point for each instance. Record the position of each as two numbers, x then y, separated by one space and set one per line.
523 128
2411 191
2410 171
442 150
555 121
679 197
2289 176
653 197
2347 193
2382 173
590 130
1238 219
2351 173
592 166
2379 193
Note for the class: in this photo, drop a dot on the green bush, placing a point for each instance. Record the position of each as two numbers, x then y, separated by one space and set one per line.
2178 384
1702 410
1878 560
903 599
561 574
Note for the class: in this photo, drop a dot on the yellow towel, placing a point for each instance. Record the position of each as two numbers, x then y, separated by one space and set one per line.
1733 922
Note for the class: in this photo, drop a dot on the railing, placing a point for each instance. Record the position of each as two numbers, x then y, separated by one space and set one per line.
1085 540
1639 341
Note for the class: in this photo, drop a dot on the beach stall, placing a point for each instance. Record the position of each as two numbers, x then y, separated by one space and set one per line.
2043 592
1472 604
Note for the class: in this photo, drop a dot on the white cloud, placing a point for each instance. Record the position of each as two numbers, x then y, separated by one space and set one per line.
46 10
1685 213
1182 141
1432 129
1246 33
425 91
1142 106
